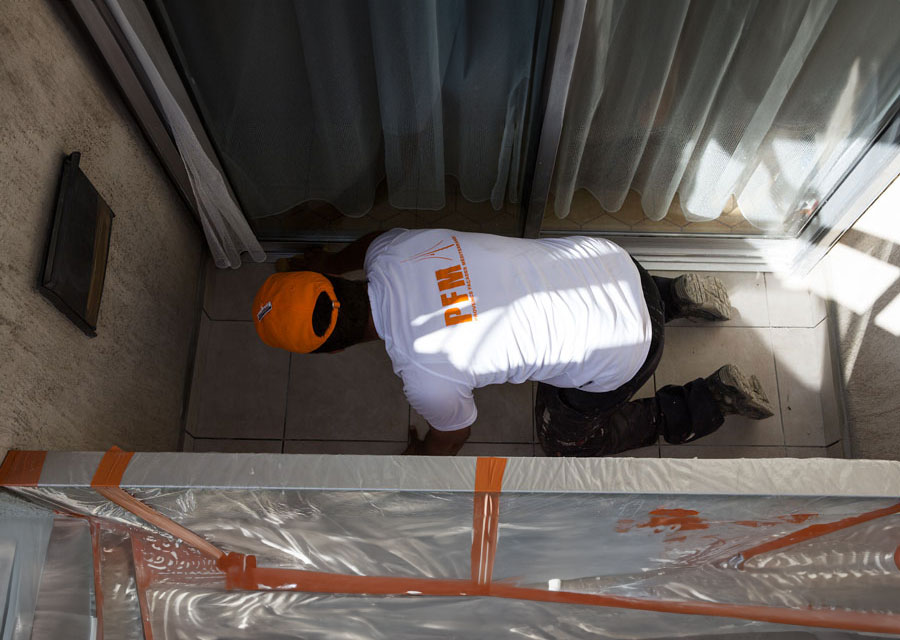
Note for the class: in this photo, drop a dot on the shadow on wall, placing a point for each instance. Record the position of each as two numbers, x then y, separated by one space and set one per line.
861 278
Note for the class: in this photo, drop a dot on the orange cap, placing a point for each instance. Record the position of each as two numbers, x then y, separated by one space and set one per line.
283 310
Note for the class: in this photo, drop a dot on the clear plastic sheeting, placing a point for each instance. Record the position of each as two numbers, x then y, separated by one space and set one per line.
121 610
65 603
23 547
493 561
640 546
360 533
196 614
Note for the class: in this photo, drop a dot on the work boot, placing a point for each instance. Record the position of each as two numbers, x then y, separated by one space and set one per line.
735 393
701 297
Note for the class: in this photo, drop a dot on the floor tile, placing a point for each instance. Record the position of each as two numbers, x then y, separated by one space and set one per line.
810 452
832 415
836 450
501 449
713 453
748 298
790 303
696 352
351 395
199 366
242 445
504 414
817 287
229 293
346 447
648 390
242 386
642 452
805 386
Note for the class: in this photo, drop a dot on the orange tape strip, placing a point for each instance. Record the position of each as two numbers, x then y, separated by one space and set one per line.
489 475
814 531
22 468
130 503
252 578
111 468
106 481
488 482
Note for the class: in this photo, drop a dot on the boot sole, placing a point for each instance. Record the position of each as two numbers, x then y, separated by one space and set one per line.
752 401
703 297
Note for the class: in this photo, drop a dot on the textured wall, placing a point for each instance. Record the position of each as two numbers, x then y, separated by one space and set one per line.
58 388
868 277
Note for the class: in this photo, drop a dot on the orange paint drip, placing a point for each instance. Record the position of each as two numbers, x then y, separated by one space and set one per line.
798 518
679 519
795 518
689 520
812 532
624 526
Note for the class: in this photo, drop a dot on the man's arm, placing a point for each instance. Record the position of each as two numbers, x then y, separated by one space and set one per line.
350 258
436 443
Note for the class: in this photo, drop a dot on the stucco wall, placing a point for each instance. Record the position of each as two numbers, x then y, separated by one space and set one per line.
58 388
863 281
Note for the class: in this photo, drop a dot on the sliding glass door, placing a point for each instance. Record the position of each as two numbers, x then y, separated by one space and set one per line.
337 118
719 118
694 131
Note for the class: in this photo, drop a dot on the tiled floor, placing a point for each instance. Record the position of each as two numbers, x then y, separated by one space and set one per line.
249 397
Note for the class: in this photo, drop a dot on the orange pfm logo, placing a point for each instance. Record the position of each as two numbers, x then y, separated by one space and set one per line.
449 280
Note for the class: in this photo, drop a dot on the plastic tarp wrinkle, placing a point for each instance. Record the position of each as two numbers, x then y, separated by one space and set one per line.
597 543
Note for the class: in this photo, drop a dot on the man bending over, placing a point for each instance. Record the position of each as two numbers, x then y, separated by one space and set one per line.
457 311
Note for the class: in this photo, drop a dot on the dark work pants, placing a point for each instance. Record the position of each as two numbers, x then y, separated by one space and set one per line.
572 422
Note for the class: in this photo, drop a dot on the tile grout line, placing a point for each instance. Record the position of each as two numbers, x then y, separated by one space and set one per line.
238 439
728 446
201 371
777 384
287 395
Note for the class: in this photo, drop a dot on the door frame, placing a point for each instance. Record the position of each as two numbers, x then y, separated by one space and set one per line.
869 177
860 186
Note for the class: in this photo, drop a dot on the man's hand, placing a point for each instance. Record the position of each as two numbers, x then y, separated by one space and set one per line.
436 443
413 444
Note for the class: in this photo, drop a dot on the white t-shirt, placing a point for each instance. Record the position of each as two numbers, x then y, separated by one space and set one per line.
459 311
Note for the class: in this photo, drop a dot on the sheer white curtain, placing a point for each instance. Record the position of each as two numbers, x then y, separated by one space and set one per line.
770 101
226 229
311 100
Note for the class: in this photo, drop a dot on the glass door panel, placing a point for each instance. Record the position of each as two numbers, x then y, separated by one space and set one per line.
720 118
338 118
